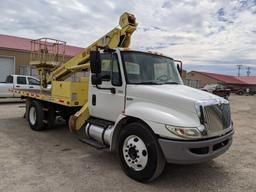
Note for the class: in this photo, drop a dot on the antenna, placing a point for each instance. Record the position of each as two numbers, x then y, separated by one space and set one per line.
239 66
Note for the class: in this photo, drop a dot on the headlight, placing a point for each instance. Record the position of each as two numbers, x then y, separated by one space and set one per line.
184 132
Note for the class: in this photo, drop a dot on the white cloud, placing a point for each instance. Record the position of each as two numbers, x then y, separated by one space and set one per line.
201 33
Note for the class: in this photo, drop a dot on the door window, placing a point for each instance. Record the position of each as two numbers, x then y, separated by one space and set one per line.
21 80
32 81
110 70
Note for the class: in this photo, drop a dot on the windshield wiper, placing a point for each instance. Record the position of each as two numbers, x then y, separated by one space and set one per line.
148 83
171 82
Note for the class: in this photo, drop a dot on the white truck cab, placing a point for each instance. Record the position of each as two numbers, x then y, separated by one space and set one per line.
155 117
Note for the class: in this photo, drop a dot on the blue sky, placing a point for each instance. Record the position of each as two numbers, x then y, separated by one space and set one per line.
208 35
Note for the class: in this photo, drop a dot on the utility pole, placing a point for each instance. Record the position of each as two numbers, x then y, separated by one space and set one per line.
239 66
248 71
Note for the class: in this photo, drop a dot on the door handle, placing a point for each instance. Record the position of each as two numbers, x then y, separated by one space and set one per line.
94 99
31 87
17 86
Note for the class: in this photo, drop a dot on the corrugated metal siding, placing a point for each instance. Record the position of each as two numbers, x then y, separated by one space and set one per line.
21 58
7 66
202 79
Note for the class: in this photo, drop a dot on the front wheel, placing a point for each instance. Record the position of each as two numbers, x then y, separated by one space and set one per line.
140 155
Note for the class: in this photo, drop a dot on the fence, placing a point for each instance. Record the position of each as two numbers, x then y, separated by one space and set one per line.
192 83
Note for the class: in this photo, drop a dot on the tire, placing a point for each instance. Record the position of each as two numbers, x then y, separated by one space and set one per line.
139 153
36 116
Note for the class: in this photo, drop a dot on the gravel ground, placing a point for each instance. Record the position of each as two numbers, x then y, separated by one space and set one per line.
54 160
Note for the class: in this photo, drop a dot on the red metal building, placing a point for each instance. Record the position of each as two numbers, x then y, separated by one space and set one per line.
15 56
204 78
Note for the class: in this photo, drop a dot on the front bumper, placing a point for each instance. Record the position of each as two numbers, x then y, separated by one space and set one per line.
190 152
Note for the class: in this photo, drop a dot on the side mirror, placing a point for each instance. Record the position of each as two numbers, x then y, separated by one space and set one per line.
179 66
96 79
95 62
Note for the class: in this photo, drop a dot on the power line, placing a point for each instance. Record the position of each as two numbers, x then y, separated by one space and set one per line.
248 72
239 66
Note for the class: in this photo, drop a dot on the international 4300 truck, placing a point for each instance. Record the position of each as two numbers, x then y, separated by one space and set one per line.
132 102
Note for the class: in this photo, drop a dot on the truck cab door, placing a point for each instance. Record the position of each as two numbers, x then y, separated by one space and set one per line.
21 82
33 83
102 103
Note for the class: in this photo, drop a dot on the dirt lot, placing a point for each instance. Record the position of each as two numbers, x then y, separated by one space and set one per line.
54 160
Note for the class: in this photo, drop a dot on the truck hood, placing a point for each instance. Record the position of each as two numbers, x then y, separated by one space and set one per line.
177 97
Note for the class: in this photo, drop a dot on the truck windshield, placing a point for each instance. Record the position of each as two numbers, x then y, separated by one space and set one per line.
146 68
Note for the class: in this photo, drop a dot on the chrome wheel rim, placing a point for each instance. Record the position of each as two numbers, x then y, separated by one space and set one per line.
32 115
135 153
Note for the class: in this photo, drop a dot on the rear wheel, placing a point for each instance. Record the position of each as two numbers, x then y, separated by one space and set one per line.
140 155
36 116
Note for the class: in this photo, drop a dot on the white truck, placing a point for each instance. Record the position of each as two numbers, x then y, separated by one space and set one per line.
18 82
155 118
133 103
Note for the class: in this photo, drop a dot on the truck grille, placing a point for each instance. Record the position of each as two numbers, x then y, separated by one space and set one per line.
217 117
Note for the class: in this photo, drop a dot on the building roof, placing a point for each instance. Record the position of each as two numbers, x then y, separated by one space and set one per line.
24 44
227 79
251 80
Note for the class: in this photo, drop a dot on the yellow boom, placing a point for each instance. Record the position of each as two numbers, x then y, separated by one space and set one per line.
51 70
118 37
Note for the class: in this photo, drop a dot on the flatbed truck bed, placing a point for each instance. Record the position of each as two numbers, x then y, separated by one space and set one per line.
70 94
